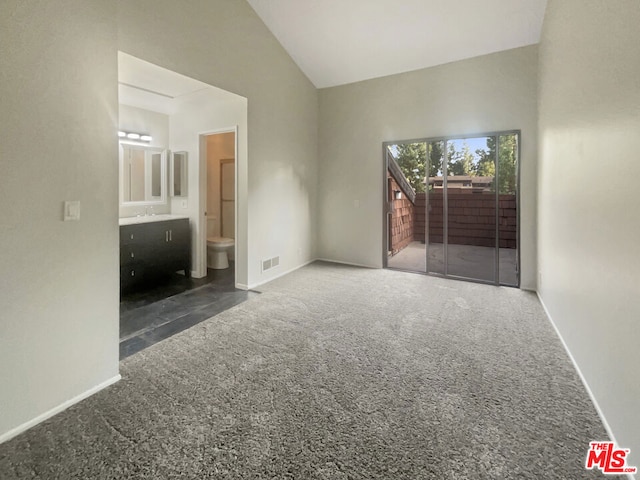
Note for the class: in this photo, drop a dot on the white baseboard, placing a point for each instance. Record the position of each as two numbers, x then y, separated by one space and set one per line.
197 274
607 427
251 286
351 264
50 413
281 274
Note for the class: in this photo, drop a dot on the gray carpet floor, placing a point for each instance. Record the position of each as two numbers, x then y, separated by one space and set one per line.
335 372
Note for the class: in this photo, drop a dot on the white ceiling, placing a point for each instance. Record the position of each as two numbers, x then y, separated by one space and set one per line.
342 41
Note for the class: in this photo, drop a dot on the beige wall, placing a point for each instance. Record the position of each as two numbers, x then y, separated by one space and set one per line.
225 44
219 147
59 282
490 93
196 115
589 224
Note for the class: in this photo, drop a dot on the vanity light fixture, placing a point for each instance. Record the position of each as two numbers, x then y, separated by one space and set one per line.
143 137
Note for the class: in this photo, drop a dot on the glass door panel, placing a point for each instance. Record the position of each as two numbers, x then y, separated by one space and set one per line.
435 209
508 205
406 212
470 203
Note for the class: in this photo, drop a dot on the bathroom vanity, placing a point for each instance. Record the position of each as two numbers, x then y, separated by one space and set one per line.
153 245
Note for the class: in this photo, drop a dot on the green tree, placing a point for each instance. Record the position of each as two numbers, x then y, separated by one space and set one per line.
460 162
412 158
507 163
435 158
486 165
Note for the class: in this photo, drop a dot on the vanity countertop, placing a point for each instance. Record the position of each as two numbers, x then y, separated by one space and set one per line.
149 218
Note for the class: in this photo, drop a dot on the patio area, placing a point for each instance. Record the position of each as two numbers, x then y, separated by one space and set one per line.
467 261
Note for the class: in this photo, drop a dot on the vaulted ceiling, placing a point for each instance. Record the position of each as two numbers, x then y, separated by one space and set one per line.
343 41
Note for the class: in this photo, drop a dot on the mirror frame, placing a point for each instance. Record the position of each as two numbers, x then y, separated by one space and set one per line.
163 175
184 174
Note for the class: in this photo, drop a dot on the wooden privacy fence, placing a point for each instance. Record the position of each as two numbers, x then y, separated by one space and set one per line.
472 219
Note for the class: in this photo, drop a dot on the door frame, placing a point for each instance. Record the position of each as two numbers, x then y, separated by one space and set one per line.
202 198
386 207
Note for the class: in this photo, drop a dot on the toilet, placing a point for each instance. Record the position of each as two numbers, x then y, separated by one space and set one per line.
218 249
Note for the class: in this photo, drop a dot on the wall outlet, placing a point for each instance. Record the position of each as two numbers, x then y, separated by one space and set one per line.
184 204
71 210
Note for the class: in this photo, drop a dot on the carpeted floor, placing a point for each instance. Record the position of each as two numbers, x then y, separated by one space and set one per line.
335 372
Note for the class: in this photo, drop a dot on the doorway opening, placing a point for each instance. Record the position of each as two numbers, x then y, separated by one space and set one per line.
218 159
168 112
452 207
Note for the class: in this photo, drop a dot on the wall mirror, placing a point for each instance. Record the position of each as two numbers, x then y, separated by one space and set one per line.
143 174
179 178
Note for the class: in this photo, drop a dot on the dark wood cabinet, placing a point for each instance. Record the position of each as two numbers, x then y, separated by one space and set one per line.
152 249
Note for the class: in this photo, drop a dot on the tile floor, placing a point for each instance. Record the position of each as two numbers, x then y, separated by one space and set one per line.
172 304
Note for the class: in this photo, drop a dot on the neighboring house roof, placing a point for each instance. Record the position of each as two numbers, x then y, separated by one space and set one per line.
401 180
462 179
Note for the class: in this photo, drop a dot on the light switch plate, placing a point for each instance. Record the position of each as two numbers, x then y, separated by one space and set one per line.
71 210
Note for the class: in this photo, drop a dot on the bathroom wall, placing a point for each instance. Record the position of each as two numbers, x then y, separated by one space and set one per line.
197 114
225 44
219 147
183 119
195 109
139 120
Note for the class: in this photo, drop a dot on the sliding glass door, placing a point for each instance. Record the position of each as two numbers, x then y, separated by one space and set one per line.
469 189
435 209
508 205
405 206
470 203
